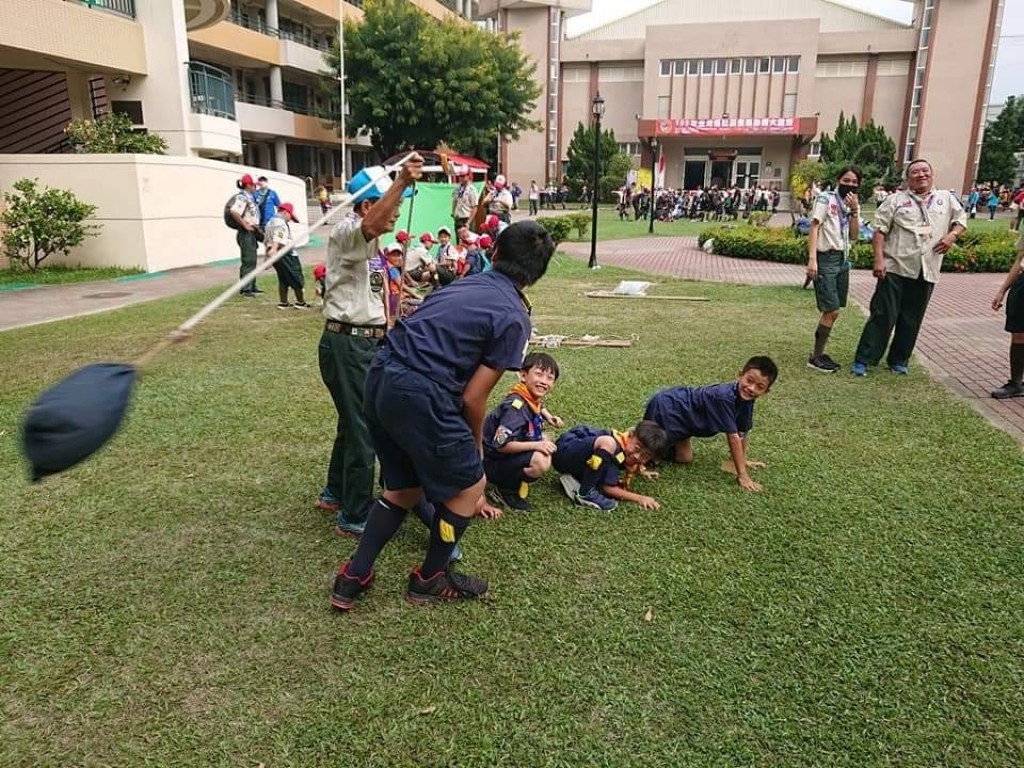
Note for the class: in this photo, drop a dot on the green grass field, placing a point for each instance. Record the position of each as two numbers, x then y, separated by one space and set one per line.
165 603
52 275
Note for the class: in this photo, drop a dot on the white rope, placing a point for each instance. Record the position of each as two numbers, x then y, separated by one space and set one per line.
554 340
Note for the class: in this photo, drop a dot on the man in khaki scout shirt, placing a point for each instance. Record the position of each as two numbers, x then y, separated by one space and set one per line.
464 200
914 228
354 301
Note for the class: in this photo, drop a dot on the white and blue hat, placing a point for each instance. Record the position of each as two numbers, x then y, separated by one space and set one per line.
377 182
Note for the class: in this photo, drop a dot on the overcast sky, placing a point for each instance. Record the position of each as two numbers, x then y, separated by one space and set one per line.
1009 79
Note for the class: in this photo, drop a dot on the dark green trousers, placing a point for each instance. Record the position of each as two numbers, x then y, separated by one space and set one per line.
247 246
898 303
344 362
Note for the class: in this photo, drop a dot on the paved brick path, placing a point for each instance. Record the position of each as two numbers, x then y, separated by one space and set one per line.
962 342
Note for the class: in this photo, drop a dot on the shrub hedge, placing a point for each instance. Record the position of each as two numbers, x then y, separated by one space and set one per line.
561 227
975 251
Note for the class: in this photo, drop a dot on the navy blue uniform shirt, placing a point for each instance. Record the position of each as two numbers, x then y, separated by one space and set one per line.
513 421
701 411
576 447
478 320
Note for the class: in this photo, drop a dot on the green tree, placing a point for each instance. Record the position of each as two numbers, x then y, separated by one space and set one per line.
113 134
39 223
804 175
868 147
612 168
1003 139
412 81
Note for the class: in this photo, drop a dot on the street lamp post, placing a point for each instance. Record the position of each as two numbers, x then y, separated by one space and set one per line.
654 171
597 110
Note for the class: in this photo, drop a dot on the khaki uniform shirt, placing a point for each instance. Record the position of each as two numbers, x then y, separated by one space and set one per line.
834 217
912 225
245 206
277 232
464 202
353 292
502 203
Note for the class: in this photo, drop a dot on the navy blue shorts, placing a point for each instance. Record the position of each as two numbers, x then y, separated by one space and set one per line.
508 470
575 447
419 433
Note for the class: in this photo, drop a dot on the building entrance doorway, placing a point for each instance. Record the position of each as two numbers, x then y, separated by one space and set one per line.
748 172
721 174
693 173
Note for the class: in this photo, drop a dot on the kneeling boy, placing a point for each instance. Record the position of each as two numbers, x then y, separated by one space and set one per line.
602 460
516 452
688 412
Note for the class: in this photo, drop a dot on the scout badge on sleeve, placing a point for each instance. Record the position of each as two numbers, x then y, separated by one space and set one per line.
76 417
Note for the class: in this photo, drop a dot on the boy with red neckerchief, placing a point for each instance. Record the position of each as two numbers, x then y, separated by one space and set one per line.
516 451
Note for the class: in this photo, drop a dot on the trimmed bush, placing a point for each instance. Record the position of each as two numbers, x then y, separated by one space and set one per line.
559 227
975 251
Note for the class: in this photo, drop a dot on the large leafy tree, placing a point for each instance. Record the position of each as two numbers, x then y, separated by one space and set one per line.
412 81
867 146
1003 139
612 167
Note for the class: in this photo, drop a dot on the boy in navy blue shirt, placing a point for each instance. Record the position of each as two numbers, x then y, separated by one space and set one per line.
597 465
426 398
516 451
688 412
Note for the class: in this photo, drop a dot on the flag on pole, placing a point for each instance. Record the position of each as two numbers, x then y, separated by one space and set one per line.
659 182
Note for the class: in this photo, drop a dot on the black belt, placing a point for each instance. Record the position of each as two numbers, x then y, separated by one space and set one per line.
365 331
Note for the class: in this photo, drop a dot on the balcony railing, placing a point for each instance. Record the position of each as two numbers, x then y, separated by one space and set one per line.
298 107
120 7
211 90
256 24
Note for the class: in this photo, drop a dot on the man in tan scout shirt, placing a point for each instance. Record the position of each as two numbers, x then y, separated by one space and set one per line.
914 228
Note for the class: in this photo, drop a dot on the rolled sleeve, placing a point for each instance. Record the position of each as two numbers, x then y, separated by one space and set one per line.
884 215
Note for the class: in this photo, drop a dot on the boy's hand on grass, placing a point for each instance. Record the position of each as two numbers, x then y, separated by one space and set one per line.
486 510
556 421
648 503
649 474
747 484
730 467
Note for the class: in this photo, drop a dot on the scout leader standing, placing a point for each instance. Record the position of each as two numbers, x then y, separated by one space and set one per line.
354 307
914 228
835 223
464 200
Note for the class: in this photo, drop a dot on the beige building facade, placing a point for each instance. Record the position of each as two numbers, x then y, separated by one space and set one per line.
736 92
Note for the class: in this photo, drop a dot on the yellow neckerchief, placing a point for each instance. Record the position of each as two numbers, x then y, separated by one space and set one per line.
521 390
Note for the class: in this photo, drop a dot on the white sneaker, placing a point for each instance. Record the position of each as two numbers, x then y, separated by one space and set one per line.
570 485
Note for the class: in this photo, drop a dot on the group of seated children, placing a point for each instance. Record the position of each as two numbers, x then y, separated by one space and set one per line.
597 466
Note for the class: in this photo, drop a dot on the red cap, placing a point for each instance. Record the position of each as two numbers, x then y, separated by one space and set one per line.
402 236
490 223
247 181
485 241
290 208
426 237
319 271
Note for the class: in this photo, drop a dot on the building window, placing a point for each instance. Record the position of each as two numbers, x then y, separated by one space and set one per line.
680 67
842 69
750 66
764 66
721 65
793 64
789 105
737 66
666 67
708 66
693 67
815 149
778 64
663 107
629 147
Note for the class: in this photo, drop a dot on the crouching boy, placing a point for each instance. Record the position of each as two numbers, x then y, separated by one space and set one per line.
596 464
688 412
516 451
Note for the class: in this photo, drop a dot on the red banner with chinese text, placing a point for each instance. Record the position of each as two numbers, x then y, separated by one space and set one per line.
776 126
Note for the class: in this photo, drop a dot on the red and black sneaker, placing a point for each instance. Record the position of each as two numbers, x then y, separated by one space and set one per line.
348 588
442 586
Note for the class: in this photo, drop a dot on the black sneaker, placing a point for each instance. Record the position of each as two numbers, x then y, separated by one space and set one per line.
830 361
284 305
445 585
1008 390
822 363
508 498
348 588
256 290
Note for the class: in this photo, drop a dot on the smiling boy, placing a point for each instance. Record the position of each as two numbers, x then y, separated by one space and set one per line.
688 412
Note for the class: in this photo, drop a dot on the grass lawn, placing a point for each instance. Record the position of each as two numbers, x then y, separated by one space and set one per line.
46 275
165 604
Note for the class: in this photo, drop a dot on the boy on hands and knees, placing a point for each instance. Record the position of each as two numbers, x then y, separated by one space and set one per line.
1012 290
426 398
835 224
516 451
595 464
688 412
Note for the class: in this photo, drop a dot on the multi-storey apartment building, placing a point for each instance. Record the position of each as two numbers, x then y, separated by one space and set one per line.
735 91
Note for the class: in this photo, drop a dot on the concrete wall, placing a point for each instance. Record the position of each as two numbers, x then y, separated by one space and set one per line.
529 160
156 212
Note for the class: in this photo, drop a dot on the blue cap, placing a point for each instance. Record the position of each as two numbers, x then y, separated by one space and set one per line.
377 182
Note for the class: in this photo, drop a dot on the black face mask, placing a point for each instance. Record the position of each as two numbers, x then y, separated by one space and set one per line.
846 189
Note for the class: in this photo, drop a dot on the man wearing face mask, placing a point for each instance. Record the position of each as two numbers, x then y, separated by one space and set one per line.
356 319
835 224
914 229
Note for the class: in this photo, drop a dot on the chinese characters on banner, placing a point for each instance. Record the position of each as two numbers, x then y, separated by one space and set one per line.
729 126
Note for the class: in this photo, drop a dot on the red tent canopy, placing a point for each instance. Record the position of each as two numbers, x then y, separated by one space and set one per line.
432 162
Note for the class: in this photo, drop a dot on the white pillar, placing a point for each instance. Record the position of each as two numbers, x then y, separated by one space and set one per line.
276 88
280 156
273 20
